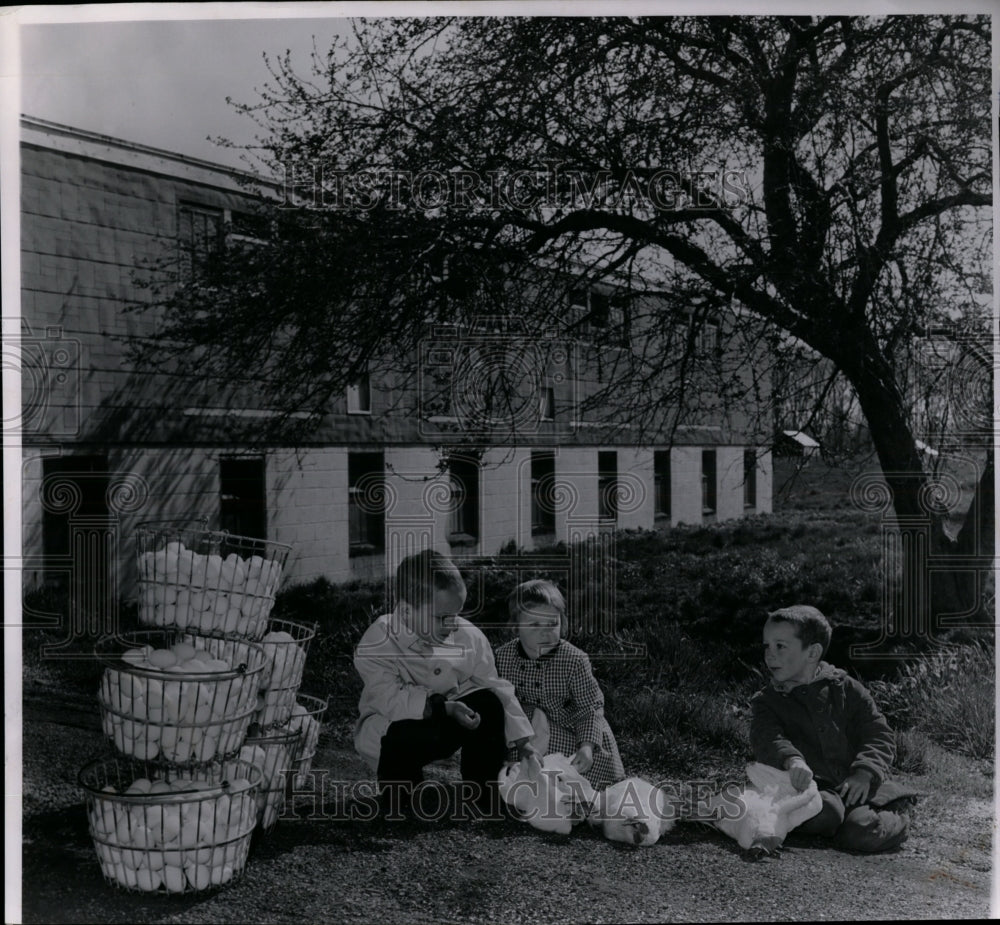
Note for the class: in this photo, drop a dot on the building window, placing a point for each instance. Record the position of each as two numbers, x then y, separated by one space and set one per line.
365 503
359 396
548 403
200 235
242 497
707 336
607 485
593 309
463 525
749 478
661 483
248 228
543 476
708 487
74 497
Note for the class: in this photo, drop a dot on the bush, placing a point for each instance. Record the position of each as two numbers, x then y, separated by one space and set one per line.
948 695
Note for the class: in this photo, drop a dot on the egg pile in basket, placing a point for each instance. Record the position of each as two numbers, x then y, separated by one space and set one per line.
203 711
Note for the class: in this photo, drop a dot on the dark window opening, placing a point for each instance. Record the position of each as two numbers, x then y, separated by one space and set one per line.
463 526
243 497
661 482
543 476
708 486
365 503
607 485
200 237
749 478
77 537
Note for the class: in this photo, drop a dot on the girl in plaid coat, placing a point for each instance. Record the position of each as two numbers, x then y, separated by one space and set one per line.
550 674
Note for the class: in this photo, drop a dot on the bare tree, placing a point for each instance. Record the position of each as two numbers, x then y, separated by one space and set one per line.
823 181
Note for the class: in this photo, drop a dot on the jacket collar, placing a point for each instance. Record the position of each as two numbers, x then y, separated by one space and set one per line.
408 639
541 658
824 672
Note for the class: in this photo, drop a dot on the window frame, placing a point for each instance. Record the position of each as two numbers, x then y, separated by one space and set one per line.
661 485
354 393
607 501
749 479
465 508
365 529
709 485
543 516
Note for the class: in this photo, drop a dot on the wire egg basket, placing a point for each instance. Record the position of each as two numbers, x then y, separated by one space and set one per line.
286 645
208 582
273 755
170 830
176 698
307 716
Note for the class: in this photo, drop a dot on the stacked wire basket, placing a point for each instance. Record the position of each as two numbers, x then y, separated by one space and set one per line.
201 707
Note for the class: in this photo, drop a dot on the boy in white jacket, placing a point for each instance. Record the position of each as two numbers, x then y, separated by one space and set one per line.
431 688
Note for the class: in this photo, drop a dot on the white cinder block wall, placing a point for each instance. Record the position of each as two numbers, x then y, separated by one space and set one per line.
501 479
307 508
635 479
685 485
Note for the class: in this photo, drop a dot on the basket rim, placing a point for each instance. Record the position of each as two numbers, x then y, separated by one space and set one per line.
319 700
215 791
116 661
150 526
311 628
264 740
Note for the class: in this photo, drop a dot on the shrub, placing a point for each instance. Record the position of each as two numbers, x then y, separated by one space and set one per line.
948 695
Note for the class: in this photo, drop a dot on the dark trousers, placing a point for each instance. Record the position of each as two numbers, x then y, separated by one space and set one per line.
409 744
862 828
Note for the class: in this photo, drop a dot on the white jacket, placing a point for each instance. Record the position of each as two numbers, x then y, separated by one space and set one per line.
400 671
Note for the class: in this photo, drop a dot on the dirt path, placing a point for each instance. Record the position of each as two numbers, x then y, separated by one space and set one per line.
334 869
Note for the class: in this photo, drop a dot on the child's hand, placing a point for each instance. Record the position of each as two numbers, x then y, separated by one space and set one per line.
526 750
462 713
584 758
799 772
854 790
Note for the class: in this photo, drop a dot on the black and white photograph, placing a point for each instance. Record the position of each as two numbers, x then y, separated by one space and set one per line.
499 463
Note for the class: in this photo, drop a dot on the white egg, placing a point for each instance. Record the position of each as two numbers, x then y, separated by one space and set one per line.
173 878
198 875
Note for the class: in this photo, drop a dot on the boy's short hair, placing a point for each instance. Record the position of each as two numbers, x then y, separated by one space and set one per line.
809 623
536 591
420 575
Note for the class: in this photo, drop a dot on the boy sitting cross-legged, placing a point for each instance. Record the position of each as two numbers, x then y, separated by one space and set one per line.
815 721
431 688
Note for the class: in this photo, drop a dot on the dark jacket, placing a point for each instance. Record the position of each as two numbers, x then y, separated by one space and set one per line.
832 723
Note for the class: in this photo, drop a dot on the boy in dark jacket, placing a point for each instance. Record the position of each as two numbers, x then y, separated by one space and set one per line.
815 721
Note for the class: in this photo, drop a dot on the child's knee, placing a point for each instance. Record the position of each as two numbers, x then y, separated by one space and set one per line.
866 830
828 820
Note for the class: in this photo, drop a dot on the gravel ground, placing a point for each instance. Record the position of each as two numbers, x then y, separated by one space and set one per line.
334 869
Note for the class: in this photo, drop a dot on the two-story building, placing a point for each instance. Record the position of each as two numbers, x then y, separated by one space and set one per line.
108 445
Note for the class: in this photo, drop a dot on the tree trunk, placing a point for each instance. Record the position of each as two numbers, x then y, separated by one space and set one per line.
938 584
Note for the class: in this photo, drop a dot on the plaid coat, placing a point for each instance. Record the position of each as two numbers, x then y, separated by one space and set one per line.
562 684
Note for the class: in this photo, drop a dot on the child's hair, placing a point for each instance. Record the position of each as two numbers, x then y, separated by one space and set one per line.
809 623
420 575
537 591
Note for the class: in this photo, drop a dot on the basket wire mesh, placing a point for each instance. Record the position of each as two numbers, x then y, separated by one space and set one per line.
307 716
286 646
210 582
177 698
272 755
170 830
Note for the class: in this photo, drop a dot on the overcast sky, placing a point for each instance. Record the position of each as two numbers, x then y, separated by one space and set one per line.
160 83
164 83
